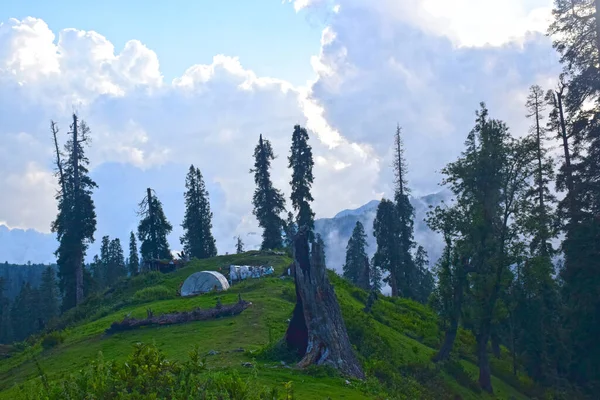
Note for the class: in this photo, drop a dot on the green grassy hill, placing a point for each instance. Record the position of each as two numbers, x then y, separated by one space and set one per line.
394 342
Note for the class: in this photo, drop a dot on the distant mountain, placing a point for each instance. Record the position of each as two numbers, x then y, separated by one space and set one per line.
337 230
19 246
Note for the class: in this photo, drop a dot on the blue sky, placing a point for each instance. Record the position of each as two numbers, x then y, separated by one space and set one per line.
268 36
425 65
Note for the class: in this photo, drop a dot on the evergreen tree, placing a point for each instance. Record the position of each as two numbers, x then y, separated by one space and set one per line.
48 291
301 162
133 263
268 201
535 290
487 180
25 312
116 267
290 231
6 334
407 273
197 239
239 245
385 230
576 30
100 272
153 230
424 283
355 266
75 223
376 277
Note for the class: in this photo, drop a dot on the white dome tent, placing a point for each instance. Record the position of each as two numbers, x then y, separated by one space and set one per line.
203 282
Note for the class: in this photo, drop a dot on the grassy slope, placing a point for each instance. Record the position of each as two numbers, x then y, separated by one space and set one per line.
397 335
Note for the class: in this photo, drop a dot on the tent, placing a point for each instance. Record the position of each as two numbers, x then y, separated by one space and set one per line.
204 282
241 272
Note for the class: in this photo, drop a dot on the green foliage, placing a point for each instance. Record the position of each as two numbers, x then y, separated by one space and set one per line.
153 229
134 259
268 201
152 293
301 162
75 223
197 239
357 267
52 339
148 374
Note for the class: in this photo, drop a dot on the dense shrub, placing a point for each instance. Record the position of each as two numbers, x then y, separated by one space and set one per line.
52 339
147 374
152 293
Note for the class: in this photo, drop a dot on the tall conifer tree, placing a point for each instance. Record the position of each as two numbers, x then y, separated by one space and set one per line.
385 230
153 229
75 223
407 274
268 201
197 239
134 258
355 268
49 296
301 162
576 30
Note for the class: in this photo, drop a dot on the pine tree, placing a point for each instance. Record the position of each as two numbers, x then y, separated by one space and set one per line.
75 223
25 312
6 334
376 277
576 30
385 230
268 201
487 180
301 162
424 283
49 304
133 264
239 245
197 239
407 273
153 230
290 231
354 267
538 324
116 267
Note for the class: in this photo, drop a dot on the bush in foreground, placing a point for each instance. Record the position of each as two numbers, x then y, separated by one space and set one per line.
147 374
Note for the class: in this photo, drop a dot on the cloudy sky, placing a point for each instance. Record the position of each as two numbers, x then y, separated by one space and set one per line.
166 86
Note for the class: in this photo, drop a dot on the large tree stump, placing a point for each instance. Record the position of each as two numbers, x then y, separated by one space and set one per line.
317 330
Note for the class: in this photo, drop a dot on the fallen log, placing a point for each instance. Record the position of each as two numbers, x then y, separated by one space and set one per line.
317 330
179 317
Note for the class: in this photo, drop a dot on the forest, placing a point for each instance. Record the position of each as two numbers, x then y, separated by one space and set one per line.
521 263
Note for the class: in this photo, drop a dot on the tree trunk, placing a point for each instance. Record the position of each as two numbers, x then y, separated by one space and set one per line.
485 374
317 329
448 344
457 297
78 259
394 281
565 139
496 345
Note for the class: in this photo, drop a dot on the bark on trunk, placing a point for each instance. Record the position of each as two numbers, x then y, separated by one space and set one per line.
317 329
457 298
496 345
448 344
485 374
